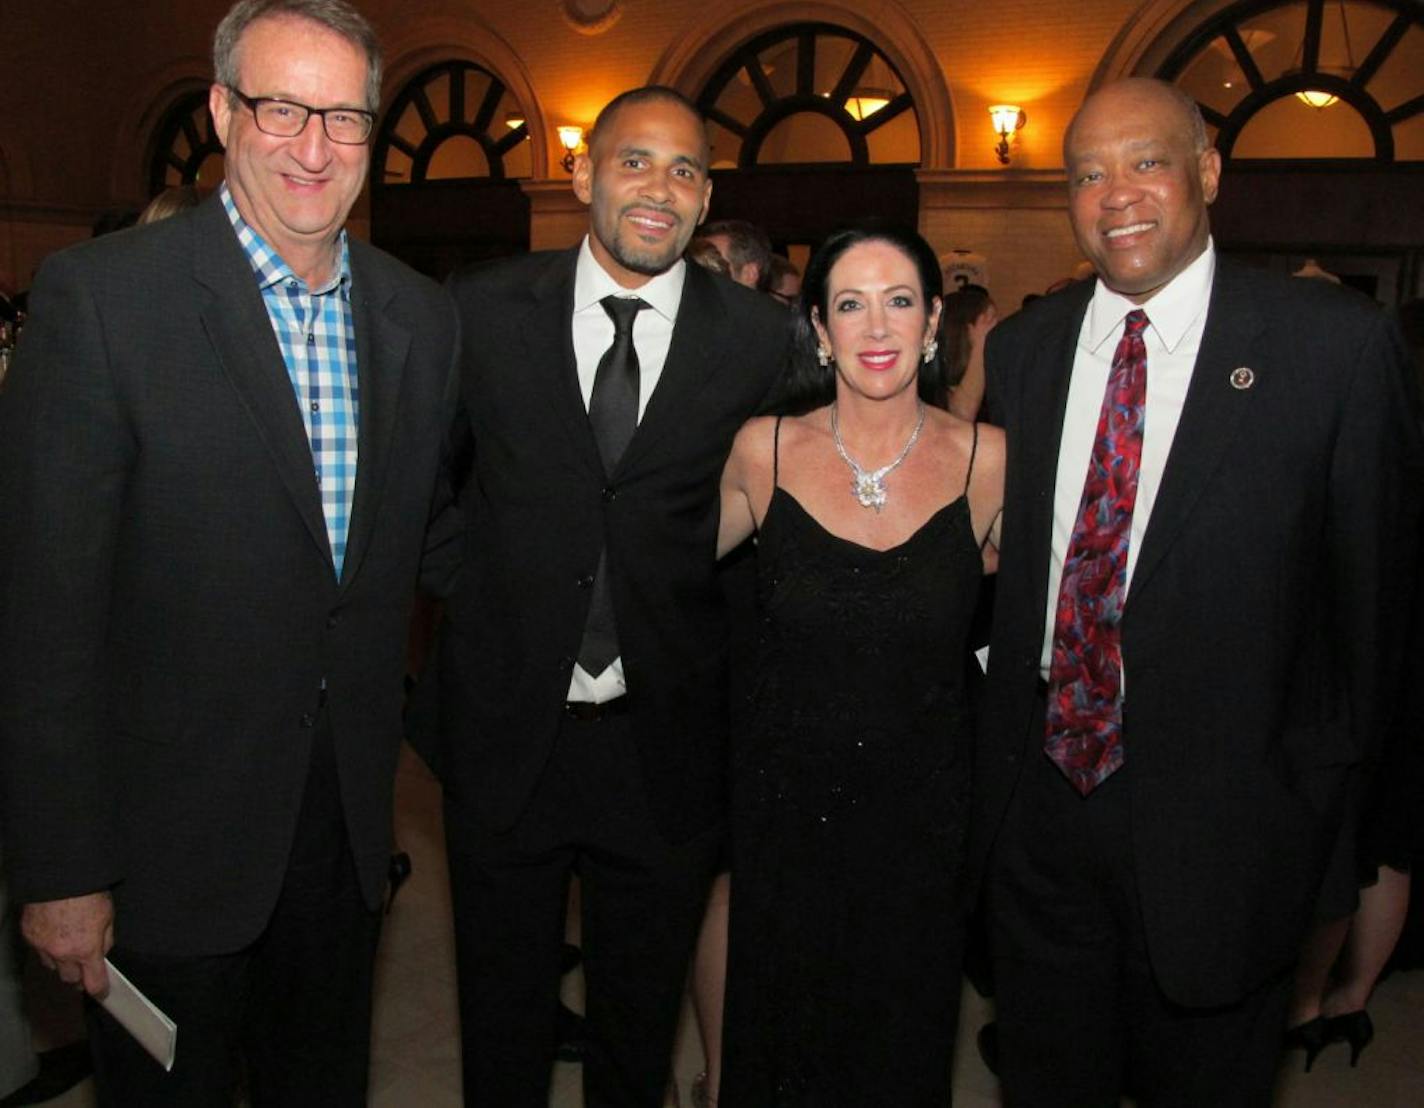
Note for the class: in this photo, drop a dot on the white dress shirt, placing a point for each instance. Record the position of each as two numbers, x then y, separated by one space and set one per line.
593 335
1176 319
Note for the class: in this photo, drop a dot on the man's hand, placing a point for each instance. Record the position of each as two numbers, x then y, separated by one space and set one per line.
72 936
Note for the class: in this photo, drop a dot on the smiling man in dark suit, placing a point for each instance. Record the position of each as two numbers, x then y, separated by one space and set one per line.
220 443
1192 647
582 668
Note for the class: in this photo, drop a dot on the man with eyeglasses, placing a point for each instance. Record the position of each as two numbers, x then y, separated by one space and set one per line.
218 452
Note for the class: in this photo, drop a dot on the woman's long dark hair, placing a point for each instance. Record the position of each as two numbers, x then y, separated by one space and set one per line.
806 384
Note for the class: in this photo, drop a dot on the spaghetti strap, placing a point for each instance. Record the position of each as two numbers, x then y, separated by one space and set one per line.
776 453
973 449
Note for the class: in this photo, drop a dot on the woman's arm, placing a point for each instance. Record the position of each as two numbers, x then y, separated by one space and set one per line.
738 520
986 494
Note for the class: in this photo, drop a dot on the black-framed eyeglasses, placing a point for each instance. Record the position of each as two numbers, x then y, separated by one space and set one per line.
287 118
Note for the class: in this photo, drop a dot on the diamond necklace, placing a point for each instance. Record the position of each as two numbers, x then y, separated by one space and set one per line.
869 488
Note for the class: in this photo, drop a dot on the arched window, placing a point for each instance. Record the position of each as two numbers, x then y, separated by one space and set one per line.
445 170
454 121
186 151
809 93
1309 79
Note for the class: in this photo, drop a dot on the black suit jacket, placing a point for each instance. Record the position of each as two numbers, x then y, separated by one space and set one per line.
1260 628
539 509
170 604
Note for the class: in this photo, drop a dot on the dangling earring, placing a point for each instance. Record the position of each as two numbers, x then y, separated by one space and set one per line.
931 349
823 355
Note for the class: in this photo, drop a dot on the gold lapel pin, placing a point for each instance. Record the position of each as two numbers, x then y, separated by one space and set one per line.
1242 378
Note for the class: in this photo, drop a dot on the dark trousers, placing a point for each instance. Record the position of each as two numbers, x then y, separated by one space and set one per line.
642 899
1081 1018
295 1005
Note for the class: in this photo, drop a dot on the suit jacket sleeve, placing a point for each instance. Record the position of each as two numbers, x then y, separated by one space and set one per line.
65 453
1373 508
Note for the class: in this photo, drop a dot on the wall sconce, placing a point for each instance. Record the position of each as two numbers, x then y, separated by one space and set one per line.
571 139
1009 120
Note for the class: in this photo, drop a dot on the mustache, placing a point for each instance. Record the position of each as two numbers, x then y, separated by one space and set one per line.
647 206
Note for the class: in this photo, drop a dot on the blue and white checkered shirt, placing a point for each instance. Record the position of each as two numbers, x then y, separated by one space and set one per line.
318 341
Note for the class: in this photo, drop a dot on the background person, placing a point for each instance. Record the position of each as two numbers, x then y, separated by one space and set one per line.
746 248
785 280
969 315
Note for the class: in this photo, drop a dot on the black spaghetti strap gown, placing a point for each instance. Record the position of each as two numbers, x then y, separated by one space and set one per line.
849 804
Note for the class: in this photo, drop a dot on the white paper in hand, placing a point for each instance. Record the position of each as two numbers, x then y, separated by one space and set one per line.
138 1015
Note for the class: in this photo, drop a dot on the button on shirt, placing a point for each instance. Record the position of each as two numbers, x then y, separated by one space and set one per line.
592 336
1176 318
317 338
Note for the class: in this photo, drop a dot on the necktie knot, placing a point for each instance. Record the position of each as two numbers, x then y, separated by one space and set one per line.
622 310
1135 323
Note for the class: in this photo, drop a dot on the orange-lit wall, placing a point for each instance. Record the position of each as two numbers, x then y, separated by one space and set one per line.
81 81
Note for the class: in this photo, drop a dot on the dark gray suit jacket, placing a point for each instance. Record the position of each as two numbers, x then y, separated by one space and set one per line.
1261 634
170 605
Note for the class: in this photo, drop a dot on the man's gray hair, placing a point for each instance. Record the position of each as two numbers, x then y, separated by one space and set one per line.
1192 110
337 15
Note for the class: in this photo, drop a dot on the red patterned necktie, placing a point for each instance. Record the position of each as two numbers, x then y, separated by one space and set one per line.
1084 726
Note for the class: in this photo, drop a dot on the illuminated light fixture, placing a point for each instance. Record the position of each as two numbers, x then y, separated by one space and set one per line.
1009 120
514 120
1319 98
571 139
865 102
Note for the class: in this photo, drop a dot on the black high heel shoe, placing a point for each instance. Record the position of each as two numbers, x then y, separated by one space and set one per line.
1355 1028
1312 1036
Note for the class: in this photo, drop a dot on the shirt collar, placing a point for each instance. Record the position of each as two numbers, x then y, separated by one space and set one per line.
1171 311
592 283
268 265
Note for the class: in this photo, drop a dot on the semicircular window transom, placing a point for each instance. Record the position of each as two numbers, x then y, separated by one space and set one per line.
453 121
1309 79
186 150
810 93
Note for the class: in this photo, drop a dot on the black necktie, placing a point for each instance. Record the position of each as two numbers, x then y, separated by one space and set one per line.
613 414
613 406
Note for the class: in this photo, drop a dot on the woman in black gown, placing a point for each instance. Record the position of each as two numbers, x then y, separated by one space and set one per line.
872 509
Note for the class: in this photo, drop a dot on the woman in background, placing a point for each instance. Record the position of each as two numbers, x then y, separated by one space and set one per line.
969 315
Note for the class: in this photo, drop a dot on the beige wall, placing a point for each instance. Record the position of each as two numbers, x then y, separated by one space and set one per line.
83 82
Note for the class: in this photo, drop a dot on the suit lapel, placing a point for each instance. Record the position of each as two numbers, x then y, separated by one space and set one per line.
546 328
382 346
1045 399
241 333
1210 417
691 360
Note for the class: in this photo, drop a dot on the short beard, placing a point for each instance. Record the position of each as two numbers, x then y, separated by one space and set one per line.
643 260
